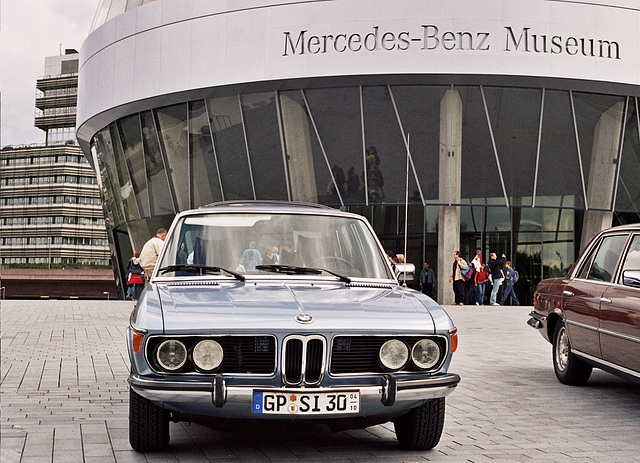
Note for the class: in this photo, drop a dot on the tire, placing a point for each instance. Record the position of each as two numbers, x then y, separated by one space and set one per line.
148 424
421 428
568 367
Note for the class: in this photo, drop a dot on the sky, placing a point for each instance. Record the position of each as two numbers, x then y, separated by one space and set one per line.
30 30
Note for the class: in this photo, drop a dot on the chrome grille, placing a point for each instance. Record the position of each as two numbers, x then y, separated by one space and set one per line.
303 359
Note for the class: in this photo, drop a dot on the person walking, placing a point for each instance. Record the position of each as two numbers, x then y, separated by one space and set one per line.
511 276
495 270
135 280
481 279
150 252
457 278
427 280
252 256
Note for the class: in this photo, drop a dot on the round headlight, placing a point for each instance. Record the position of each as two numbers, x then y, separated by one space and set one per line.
171 355
207 355
425 353
394 354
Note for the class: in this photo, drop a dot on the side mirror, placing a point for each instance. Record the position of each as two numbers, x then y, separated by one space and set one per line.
405 272
631 278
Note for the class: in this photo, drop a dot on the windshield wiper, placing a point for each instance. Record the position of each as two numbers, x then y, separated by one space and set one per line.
293 270
201 269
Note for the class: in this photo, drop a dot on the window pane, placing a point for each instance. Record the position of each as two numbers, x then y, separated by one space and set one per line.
172 126
117 7
632 259
515 119
480 177
131 139
386 153
265 147
628 195
204 167
604 264
336 112
225 121
419 109
160 200
131 210
109 193
599 119
307 168
559 169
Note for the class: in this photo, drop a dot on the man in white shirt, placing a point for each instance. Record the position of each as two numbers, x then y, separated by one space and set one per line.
151 251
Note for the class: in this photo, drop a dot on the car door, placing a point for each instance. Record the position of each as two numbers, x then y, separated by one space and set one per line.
582 295
620 312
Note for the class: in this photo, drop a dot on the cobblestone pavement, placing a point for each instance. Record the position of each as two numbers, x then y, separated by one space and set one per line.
64 398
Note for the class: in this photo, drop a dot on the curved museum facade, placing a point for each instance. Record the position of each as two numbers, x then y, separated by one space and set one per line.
508 127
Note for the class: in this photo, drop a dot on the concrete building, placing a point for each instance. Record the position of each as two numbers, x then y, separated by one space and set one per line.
517 122
51 213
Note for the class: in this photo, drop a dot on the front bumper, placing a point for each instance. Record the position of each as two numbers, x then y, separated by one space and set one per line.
374 398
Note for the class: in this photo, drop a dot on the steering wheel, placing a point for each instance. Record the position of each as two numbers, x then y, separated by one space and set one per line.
324 260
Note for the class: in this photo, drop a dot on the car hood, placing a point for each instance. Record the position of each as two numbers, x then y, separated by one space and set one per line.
238 307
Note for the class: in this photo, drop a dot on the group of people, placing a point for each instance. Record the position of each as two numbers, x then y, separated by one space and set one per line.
475 275
351 184
273 255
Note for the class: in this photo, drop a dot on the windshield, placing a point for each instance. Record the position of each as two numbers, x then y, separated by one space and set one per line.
241 242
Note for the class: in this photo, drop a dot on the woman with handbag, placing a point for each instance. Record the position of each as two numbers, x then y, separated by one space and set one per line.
135 280
457 277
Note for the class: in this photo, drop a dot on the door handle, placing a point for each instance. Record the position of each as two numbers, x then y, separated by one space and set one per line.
604 300
567 293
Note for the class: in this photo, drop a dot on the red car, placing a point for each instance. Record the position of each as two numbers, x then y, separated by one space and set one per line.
592 316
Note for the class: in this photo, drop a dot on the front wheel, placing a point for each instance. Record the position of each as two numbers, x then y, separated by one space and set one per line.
569 368
421 428
148 424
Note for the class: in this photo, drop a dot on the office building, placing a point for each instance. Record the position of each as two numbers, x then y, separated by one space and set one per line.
51 213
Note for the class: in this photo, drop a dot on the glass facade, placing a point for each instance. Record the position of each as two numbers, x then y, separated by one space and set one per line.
530 162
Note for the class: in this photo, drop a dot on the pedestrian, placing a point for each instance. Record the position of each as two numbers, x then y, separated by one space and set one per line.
150 252
271 257
457 278
135 279
495 270
481 281
511 276
391 256
353 181
338 176
427 280
252 256
377 180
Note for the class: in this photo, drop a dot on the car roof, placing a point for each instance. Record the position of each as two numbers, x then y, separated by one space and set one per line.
262 206
620 228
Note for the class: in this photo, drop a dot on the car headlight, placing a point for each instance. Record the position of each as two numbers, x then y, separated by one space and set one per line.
171 355
394 354
207 355
425 353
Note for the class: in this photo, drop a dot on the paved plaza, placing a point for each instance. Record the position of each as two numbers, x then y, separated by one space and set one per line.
64 398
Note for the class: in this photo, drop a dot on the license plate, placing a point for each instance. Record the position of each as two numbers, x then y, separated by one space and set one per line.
294 403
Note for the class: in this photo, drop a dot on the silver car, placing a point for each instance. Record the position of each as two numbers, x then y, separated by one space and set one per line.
284 312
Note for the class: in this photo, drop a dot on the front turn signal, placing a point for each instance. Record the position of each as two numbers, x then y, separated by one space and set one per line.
454 341
136 342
